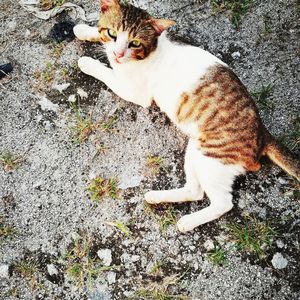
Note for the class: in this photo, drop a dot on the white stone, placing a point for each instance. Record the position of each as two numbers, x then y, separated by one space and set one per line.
52 270
129 182
61 87
82 93
278 261
47 104
111 277
135 258
105 256
27 33
236 55
4 271
280 244
72 98
209 245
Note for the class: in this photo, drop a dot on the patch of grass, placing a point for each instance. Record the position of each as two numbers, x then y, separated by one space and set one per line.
236 8
262 96
100 188
165 214
253 236
48 4
83 127
120 226
218 256
10 161
267 24
109 124
154 163
81 264
5 230
28 271
57 49
13 292
160 290
156 269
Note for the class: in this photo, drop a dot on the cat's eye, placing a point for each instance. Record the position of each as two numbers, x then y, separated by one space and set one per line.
112 33
135 43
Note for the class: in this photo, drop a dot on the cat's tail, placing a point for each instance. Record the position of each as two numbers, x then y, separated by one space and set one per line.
282 156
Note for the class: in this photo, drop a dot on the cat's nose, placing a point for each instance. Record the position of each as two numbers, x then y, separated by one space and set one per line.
119 54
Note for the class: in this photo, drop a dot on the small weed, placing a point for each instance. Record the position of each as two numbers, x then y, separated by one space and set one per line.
48 73
101 149
29 271
253 236
154 163
5 231
10 161
13 292
237 8
165 217
121 226
109 124
100 188
81 265
262 96
217 256
57 49
48 4
156 268
83 127
267 24
160 290
292 138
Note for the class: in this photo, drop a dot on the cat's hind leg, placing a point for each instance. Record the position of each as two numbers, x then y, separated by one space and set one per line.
216 179
87 33
192 190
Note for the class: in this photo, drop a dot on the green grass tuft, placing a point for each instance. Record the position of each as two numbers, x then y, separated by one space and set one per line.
218 256
9 161
262 96
100 188
253 236
81 265
237 9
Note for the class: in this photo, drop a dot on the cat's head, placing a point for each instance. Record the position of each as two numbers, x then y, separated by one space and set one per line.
128 33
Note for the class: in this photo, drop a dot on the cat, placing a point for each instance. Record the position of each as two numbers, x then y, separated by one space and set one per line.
198 92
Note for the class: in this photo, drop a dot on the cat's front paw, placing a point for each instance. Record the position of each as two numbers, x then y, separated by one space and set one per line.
88 65
153 197
80 31
185 224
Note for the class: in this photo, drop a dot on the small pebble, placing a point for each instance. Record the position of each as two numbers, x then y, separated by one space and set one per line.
278 261
4 271
111 277
52 270
209 245
105 256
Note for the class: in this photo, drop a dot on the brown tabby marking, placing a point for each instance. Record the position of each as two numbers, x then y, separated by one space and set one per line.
230 128
126 17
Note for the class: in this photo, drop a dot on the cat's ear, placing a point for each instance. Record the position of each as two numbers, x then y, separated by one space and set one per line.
161 24
107 4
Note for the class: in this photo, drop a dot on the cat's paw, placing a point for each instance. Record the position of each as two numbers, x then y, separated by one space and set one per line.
88 65
185 224
153 197
80 31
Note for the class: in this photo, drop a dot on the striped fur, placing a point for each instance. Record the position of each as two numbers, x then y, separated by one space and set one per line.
229 125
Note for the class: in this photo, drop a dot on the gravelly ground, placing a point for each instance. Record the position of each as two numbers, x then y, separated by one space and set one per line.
45 199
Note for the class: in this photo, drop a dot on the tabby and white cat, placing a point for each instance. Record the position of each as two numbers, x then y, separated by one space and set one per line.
198 92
